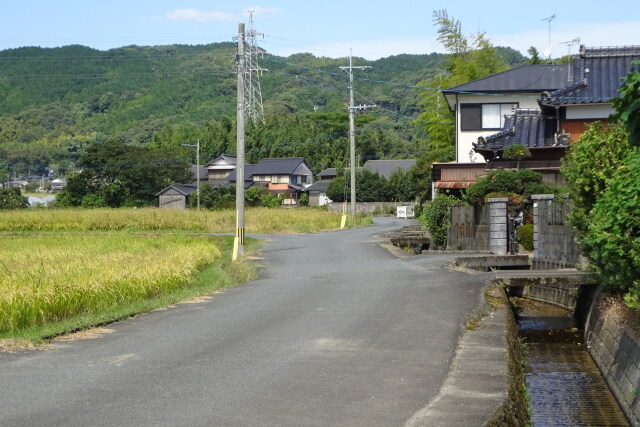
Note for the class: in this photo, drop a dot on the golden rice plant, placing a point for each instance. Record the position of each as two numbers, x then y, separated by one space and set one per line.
258 220
46 278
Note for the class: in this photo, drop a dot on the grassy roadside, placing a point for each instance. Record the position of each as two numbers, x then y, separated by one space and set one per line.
220 274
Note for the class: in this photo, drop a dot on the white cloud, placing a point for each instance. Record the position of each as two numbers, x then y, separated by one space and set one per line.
200 15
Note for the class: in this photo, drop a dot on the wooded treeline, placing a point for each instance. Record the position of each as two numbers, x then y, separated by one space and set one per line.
54 103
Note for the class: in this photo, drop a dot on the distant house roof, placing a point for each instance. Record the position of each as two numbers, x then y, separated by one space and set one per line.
386 168
328 173
203 172
597 76
274 166
222 161
248 173
526 127
184 189
320 186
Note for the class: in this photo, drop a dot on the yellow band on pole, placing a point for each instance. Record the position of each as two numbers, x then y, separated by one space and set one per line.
240 235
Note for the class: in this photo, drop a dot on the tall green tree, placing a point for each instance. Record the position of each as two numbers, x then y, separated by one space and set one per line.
116 174
12 198
469 58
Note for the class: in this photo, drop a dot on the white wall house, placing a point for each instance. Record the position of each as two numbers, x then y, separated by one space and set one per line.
480 106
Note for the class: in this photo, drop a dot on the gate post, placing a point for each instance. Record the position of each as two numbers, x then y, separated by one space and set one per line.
498 225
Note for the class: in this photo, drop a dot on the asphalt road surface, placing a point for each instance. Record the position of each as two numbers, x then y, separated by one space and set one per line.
336 331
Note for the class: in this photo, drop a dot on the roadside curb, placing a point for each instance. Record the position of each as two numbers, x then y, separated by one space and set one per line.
478 381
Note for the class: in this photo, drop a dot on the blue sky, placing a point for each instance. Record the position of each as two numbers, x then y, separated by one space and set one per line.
373 29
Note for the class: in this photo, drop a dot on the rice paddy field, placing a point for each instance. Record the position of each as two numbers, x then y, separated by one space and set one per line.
258 220
63 270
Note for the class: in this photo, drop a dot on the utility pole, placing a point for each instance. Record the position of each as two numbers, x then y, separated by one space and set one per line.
238 241
197 148
352 132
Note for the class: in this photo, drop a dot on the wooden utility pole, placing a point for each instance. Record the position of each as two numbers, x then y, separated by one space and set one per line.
238 241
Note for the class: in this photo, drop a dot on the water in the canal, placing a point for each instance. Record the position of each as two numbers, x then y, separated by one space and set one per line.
565 386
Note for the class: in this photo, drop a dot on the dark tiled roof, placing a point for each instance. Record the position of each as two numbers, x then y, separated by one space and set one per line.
386 168
597 76
248 173
329 172
319 186
204 174
184 189
525 127
277 166
228 158
281 166
525 78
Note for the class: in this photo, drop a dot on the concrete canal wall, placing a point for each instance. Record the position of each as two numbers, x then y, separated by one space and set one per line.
612 334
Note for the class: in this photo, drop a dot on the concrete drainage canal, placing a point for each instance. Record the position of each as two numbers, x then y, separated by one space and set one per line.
564 385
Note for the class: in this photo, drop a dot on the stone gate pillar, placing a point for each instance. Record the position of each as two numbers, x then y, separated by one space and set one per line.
498 225
540 202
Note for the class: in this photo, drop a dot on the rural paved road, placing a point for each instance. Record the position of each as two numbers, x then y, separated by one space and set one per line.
336 331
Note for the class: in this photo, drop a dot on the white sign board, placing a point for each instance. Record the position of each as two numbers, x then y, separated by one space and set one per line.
401 211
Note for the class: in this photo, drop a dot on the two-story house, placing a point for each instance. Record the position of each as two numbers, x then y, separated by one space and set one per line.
289 176
542 107
219 169
596 76
480 107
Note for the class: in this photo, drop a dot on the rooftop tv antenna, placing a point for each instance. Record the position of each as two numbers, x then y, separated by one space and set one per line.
570 44
547 51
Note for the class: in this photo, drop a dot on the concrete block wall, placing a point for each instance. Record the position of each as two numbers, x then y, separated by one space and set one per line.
553 243
612 335
366 207
498 225
468 230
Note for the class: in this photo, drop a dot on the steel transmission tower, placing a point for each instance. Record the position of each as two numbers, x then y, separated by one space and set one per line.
252 72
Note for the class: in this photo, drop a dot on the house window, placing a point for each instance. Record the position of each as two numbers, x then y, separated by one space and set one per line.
484 116
218 174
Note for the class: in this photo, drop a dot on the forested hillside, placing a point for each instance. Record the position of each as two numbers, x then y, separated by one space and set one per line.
55 102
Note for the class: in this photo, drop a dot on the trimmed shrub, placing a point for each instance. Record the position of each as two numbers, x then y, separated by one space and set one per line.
516 152
524 235
436 217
